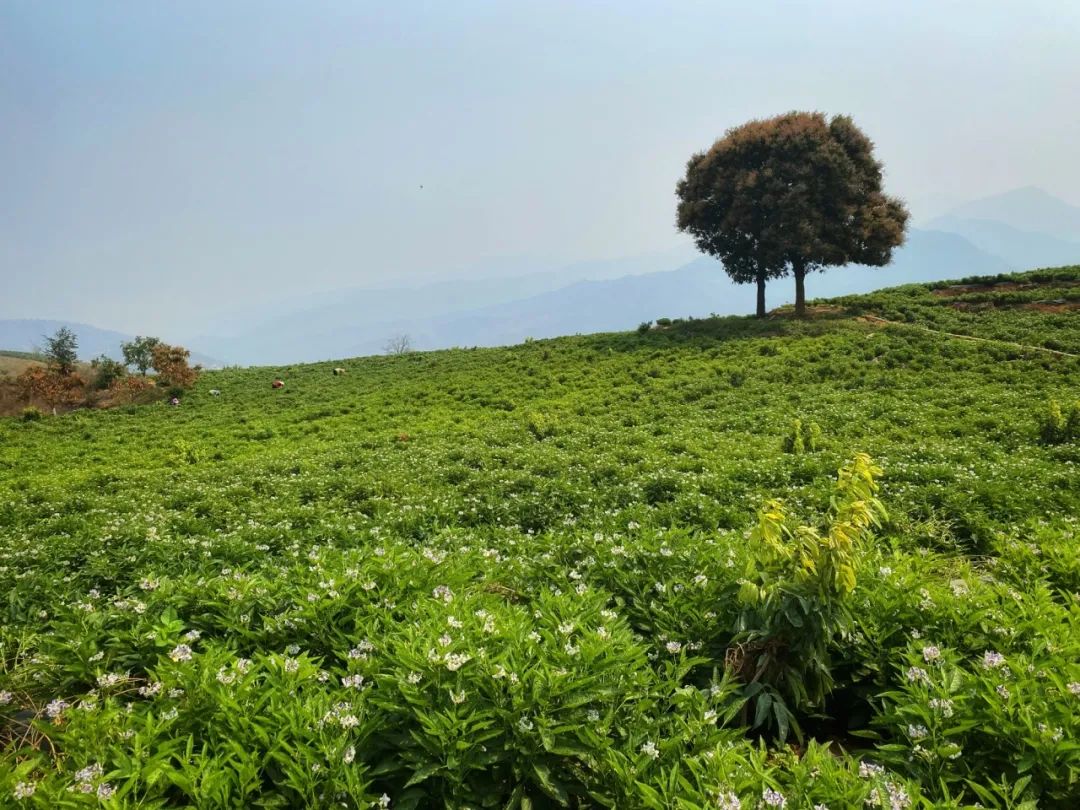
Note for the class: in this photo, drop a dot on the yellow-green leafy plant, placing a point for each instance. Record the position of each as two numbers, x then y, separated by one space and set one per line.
795 597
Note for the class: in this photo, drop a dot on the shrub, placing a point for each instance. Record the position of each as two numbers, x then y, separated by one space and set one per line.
52 386
795 598
31 414
126 390
644 327
540 426
107 371
171 365
1058 425
804 437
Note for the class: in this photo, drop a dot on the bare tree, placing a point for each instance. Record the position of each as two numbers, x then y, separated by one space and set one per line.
398 344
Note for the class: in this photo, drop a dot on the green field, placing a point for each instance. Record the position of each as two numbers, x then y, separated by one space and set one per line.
554 575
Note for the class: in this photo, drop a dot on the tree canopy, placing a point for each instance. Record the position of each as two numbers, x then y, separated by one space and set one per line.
790 194
61 350
140 352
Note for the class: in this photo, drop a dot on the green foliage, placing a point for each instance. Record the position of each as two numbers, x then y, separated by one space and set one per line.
61 350
108 371
803 438
644 327
139 353
511 577
1057 425
795 595
31 414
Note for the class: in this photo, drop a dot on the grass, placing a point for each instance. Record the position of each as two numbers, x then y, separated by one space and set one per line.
519 577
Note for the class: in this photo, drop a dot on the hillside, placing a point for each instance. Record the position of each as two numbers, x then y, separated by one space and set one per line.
553 574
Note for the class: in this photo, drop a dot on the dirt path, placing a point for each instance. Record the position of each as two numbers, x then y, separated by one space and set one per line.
876 319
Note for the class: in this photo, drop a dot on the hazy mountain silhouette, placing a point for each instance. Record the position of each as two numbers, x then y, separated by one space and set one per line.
1023 250
1026 209
455 314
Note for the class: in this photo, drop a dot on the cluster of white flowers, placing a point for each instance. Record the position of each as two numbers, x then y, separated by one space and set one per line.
24 790
917 675
942 705
444 593
773 798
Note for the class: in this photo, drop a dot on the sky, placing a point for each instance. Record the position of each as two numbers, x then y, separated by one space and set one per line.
163 164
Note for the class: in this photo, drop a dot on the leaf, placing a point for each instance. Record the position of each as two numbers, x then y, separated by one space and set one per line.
549 785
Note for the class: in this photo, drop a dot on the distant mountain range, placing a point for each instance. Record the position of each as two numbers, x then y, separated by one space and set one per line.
1017 230
440 315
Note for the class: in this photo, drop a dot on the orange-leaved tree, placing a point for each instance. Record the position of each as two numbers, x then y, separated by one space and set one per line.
171 365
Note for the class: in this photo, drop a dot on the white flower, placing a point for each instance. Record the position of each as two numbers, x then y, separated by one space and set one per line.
773 799
6 697
728 800
917 674
444 593
1074 688
105 791
292 665
292 649
1002 691
455 661
56 708
930 653
413 677
525 724
917 731
993 660
24 790
181 652
673 647
457 697
566 628
349 755
942 705
649 749
868 770
353 681
384 801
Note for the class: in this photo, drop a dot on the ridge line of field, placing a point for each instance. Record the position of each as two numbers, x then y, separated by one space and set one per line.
876 319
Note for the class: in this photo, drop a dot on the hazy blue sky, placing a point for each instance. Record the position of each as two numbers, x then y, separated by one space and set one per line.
161 162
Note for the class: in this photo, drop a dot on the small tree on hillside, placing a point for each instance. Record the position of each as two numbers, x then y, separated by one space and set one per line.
61 350
398 344
171 365
790 194
107 371
139 352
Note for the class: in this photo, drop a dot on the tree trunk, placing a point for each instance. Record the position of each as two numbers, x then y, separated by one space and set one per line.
761 295
800 290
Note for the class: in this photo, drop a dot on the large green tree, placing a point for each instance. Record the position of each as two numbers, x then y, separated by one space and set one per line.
790 194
